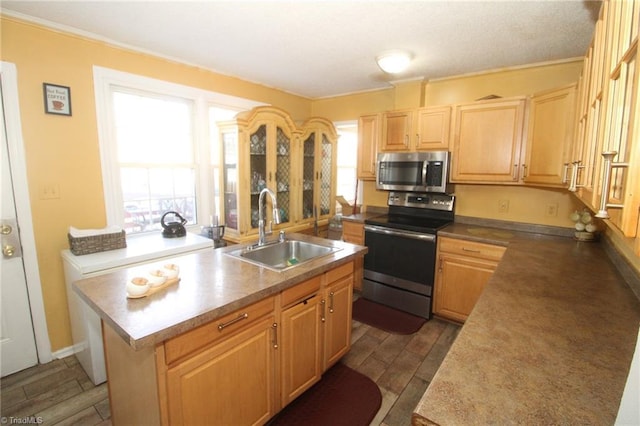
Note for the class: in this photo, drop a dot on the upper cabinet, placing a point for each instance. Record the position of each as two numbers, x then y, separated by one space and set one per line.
550 136
369 129
433 128
397 130
606 161
263 148
487 142
416 129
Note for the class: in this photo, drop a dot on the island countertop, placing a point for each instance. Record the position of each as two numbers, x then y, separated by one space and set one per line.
550 340
211 284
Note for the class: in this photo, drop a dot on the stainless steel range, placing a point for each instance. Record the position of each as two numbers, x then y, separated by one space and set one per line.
399 267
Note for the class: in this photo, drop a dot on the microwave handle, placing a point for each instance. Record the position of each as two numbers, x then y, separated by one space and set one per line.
425 167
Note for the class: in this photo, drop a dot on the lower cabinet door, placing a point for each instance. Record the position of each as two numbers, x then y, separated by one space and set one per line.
337 338
301 347
229 383
459 283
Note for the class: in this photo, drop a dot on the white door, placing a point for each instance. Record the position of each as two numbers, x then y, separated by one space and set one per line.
17 340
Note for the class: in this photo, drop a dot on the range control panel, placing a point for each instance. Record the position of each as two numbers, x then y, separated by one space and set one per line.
418 200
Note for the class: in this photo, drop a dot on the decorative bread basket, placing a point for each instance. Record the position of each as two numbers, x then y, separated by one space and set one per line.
87 244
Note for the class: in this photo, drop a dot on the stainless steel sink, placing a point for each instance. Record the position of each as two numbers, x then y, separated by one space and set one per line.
280 256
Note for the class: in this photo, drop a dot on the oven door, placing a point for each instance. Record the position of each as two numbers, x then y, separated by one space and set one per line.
399 268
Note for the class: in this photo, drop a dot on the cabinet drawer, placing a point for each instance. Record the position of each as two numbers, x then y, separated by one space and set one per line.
339 272
216 330
470 248
301 291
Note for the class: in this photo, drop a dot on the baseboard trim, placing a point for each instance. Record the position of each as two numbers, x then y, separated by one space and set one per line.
65 352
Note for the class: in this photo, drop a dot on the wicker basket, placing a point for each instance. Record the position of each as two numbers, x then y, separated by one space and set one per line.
97 243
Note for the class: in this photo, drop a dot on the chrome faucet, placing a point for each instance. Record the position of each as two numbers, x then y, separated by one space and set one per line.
261 215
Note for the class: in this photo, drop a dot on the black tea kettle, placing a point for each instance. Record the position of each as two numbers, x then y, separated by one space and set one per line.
173 229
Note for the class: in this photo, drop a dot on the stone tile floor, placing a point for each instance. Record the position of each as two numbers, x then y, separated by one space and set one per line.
60 392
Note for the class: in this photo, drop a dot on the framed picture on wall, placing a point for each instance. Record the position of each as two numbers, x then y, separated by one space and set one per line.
57 99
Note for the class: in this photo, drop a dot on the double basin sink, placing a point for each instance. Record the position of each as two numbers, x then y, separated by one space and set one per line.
282 255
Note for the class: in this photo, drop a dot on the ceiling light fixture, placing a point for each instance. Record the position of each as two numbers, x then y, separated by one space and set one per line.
394 62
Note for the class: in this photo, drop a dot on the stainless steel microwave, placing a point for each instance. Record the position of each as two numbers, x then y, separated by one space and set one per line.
413 171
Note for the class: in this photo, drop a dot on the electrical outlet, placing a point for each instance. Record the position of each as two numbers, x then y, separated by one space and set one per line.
503 206
551 210
50 191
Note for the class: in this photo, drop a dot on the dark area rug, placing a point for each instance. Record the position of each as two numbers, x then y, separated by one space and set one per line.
386 318
342 397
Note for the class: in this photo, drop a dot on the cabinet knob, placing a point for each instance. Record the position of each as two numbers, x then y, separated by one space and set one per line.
8 251
5 229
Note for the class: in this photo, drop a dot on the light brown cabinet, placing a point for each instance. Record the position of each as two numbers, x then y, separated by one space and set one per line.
606 158
317 180
353 232
397 130
263 148
241 365
433 127
487 143
301 345
368 142
416 129
338 298
550 137
463 270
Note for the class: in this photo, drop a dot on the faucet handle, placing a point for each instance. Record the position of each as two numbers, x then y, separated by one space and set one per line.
281 236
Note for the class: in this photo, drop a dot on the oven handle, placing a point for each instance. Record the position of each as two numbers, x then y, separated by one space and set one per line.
405 234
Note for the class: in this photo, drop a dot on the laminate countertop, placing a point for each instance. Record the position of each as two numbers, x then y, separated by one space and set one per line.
212 284
550 341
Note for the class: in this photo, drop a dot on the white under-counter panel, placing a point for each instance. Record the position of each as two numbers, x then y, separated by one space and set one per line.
85 323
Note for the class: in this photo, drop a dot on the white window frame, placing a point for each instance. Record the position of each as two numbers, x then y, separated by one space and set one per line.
104 81
350 124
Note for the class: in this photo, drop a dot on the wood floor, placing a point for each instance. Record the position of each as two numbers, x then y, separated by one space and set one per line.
60 393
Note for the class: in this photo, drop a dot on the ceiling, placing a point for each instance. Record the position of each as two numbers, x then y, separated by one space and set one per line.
323 48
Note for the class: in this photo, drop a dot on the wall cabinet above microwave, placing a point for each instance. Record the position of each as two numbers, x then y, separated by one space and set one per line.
420 129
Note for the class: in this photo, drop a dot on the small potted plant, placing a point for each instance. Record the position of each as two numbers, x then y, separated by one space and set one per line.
586 228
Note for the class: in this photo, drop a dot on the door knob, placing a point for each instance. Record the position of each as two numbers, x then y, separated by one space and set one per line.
8 251
5 229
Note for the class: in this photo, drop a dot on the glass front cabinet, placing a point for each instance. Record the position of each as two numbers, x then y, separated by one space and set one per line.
263 148
318 176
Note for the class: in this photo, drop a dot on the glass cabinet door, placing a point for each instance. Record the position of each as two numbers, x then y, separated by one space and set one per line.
283 175
308 172
326 156
257 169
230 179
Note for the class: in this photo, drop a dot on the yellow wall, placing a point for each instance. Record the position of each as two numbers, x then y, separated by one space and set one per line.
510 82
63 151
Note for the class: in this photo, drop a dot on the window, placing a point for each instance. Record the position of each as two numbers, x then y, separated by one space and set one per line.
347 162
154 142
159 149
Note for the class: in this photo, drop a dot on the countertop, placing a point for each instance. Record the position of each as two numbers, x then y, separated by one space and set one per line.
371 211
550 340
211 284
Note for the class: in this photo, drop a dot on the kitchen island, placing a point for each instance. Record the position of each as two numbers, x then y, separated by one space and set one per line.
550 340
221 339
